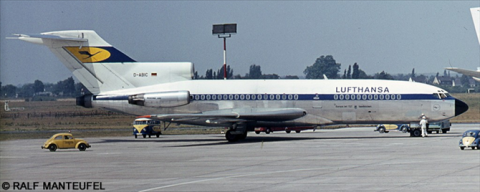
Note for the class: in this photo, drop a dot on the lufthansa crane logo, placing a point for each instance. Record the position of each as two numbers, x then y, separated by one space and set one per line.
89 54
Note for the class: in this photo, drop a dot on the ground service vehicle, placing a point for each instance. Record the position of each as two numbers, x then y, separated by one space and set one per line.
385 128
268 130
414 128
470 138
65 141
146 126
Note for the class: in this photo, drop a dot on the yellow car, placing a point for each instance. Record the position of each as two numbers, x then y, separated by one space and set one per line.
65 141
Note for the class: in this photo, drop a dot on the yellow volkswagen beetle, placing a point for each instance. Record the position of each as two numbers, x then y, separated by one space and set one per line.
65 141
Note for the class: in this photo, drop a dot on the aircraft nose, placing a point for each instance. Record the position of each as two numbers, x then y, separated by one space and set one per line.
460 107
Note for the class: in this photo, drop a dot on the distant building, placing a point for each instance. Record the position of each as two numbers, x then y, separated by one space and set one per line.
444 80
419 79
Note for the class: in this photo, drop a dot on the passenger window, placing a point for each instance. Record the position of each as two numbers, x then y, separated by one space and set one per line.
58 137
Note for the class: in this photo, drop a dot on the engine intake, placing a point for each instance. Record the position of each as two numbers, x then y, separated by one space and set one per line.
161 99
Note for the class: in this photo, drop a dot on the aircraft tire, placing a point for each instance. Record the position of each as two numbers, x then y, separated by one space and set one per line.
231 137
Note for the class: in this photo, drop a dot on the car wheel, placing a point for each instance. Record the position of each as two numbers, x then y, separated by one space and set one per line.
149 136
257 132
404 129
158 135
462 148
444 131
298 131
82 147
417 133
144 136
267 131
473 148
381 130
135 136
52 147
287 131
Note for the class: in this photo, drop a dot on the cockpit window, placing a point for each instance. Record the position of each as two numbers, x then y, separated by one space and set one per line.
442 95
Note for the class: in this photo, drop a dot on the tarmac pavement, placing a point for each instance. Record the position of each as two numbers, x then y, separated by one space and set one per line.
349 159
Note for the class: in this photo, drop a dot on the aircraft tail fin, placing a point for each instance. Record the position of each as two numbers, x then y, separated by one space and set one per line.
84 53
476 20
100 67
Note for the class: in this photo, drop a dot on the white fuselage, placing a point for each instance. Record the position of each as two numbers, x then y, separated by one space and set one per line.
325 101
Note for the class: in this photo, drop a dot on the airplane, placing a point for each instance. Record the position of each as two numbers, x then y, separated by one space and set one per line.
167 92
476 22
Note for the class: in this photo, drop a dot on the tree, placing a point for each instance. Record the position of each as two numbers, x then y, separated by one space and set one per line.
356 72
363 75
349 72
465 81
9 90
270 76
255 72
209 74
67 87
26 90
383 75
291 77
221 72
38 86
323 65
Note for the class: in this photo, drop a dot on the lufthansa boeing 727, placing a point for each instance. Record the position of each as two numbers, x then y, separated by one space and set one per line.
167 92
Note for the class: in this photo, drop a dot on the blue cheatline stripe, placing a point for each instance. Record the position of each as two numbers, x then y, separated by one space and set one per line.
116 55
322 97
301 97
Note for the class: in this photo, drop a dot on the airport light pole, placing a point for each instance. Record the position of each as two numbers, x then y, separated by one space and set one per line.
224 31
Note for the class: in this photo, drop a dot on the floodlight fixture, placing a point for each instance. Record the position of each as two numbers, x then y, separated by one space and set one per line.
224 29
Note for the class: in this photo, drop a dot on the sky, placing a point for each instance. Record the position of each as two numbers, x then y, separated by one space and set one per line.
283 37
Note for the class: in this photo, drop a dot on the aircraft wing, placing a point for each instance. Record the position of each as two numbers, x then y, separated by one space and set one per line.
230 116
465 71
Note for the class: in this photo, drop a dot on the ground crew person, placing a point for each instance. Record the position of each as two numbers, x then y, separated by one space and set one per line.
423 125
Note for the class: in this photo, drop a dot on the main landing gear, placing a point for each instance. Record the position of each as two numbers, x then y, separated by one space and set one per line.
236 132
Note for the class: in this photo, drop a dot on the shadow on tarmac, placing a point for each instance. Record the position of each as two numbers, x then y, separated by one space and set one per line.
220 139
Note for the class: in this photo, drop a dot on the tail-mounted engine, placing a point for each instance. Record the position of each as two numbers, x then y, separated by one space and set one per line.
160 99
